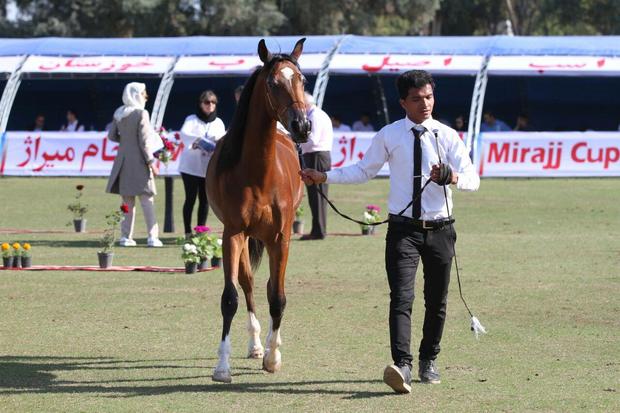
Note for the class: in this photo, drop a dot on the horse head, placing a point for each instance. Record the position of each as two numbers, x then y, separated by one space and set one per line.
285 90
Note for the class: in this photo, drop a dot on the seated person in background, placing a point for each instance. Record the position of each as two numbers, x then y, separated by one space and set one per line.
39 123
523 123
492 124
72 125
238 91
459 124
338 126
363 124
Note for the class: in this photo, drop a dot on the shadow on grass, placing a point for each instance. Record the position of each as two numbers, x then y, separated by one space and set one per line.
36 375
92 243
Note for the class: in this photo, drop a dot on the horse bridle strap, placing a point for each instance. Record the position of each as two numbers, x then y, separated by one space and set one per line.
302 164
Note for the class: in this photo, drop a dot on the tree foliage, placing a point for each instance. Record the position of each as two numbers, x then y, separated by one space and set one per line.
126 18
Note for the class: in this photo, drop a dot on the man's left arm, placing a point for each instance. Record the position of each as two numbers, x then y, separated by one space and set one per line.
463 170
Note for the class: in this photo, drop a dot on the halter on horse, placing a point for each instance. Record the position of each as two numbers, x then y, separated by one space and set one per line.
254 189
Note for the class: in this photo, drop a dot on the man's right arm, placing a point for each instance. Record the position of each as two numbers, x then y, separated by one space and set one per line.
360 172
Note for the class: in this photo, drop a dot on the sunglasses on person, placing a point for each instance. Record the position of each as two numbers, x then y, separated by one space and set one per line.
209 102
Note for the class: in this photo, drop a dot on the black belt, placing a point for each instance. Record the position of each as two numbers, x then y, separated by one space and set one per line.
426 225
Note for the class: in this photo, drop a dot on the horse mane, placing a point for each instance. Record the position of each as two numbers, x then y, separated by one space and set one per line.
232 141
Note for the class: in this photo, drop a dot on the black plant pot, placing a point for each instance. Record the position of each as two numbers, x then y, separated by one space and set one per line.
26 262
191 267
216 261
366 231
204 264
79 225
17 261
7 262
105 259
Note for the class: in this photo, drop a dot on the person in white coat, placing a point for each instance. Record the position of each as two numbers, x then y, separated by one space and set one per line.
199 133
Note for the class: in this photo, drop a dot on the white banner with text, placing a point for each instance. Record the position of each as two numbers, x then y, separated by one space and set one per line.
548 154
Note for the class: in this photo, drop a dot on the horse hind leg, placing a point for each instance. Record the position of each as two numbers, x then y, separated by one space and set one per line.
246 280
232 247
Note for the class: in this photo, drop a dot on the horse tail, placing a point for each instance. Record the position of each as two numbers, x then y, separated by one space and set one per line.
256 253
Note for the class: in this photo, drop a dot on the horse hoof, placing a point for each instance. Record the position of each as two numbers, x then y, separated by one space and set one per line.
271 366
222 376
256 353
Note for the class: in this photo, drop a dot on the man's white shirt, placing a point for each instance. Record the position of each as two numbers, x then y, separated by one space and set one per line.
394 144
322 135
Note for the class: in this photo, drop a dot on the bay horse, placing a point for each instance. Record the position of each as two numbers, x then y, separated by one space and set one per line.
254 189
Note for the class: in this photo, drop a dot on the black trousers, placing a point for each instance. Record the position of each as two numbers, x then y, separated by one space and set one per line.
321 161
405 245
194 187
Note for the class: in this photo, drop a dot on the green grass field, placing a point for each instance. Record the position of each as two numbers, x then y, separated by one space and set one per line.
539 263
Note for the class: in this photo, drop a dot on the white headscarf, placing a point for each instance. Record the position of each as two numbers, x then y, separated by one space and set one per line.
132 99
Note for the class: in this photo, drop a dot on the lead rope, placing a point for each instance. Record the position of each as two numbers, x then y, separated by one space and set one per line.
331 204
475 326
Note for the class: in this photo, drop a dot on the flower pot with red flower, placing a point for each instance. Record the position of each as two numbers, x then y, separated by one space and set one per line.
78 209
7 257
201 239
371 216
113 221
26 255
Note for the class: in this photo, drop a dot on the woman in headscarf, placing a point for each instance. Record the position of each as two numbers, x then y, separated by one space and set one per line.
133 173
199 133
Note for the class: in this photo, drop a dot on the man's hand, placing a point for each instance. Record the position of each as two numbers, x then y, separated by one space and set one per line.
155 169
442 174
312 176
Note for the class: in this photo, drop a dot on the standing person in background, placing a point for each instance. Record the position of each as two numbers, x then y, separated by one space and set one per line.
424 230
363 124
317 155
199 133
72 125
134 171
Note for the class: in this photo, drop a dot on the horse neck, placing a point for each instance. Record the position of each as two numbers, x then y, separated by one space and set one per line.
259 140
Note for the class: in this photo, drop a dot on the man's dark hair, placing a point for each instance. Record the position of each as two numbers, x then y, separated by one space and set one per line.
413 79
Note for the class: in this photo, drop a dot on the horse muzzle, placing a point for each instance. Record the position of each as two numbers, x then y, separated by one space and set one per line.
300 128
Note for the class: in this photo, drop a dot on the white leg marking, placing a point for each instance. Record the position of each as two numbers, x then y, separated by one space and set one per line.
222 371
255 348
273 359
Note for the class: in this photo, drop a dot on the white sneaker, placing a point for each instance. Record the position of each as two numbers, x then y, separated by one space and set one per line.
126 242
154 242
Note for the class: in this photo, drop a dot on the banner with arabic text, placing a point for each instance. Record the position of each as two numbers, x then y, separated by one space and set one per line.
92 154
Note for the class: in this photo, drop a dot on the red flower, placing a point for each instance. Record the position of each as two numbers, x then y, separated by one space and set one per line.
125 208
169 145
79 187
177 136
201 228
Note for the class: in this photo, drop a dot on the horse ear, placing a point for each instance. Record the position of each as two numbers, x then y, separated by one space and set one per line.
263 52
299 47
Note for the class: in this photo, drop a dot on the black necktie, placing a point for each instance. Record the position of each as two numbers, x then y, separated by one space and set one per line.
417 172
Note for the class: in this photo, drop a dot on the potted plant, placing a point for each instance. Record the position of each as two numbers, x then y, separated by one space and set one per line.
216 260
191 257
113 219
202 242
17 256
298 223
7 257
371 215
26 255
78 209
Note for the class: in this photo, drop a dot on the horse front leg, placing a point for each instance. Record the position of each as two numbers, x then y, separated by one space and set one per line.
246 280
278 256
232 247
